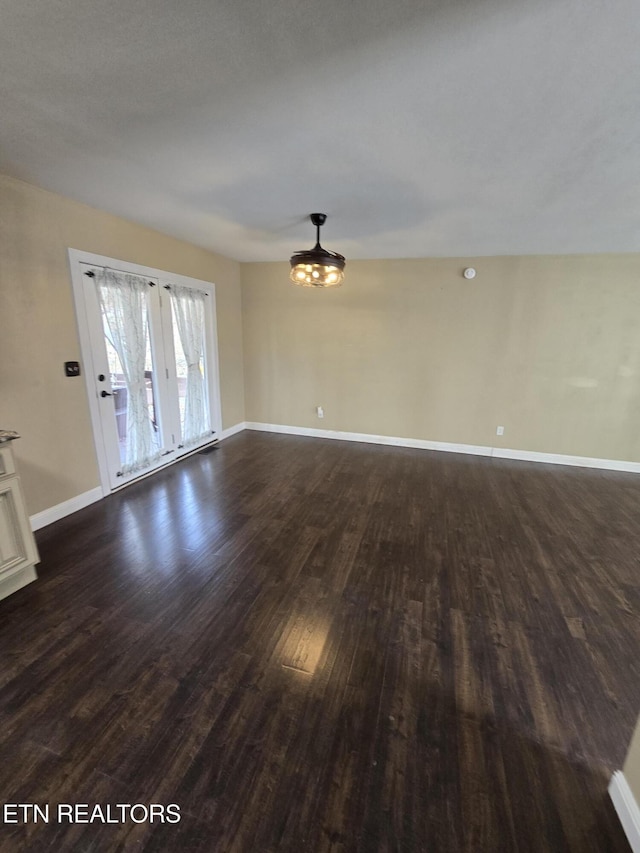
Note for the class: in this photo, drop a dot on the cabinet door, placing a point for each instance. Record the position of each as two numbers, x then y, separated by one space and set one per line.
17 546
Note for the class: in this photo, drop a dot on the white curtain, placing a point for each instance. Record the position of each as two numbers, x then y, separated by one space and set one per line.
188 309
124 309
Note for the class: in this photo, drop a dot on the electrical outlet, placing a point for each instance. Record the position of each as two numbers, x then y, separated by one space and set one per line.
500 430
319 411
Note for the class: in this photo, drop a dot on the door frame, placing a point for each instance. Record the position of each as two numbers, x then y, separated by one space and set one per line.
77 257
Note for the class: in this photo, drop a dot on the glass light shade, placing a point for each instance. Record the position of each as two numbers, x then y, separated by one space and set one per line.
317 267
316 275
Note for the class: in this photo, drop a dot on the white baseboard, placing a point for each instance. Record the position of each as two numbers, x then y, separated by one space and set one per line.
227 433
627 808
447 447
368 438
55 513
562 459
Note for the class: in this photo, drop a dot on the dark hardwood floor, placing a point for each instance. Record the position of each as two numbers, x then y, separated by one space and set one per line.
325 646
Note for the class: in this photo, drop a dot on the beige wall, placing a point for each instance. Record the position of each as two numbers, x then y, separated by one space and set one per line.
56 454
549 347
632 764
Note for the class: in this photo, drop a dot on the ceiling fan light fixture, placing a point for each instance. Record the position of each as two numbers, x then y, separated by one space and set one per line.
317 267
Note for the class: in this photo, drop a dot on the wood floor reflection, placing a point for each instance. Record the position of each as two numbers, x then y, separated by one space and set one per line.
326 646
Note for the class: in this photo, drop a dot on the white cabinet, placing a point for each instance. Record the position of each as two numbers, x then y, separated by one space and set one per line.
18 552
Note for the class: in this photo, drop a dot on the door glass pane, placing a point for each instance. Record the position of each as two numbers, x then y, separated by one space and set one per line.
181 371
188 320
120 397
123 302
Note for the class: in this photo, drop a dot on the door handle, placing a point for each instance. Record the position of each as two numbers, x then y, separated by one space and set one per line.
105 394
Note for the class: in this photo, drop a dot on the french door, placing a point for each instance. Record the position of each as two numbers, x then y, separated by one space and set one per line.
150 362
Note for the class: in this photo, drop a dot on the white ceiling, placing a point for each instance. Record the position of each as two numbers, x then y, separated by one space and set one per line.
421 127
